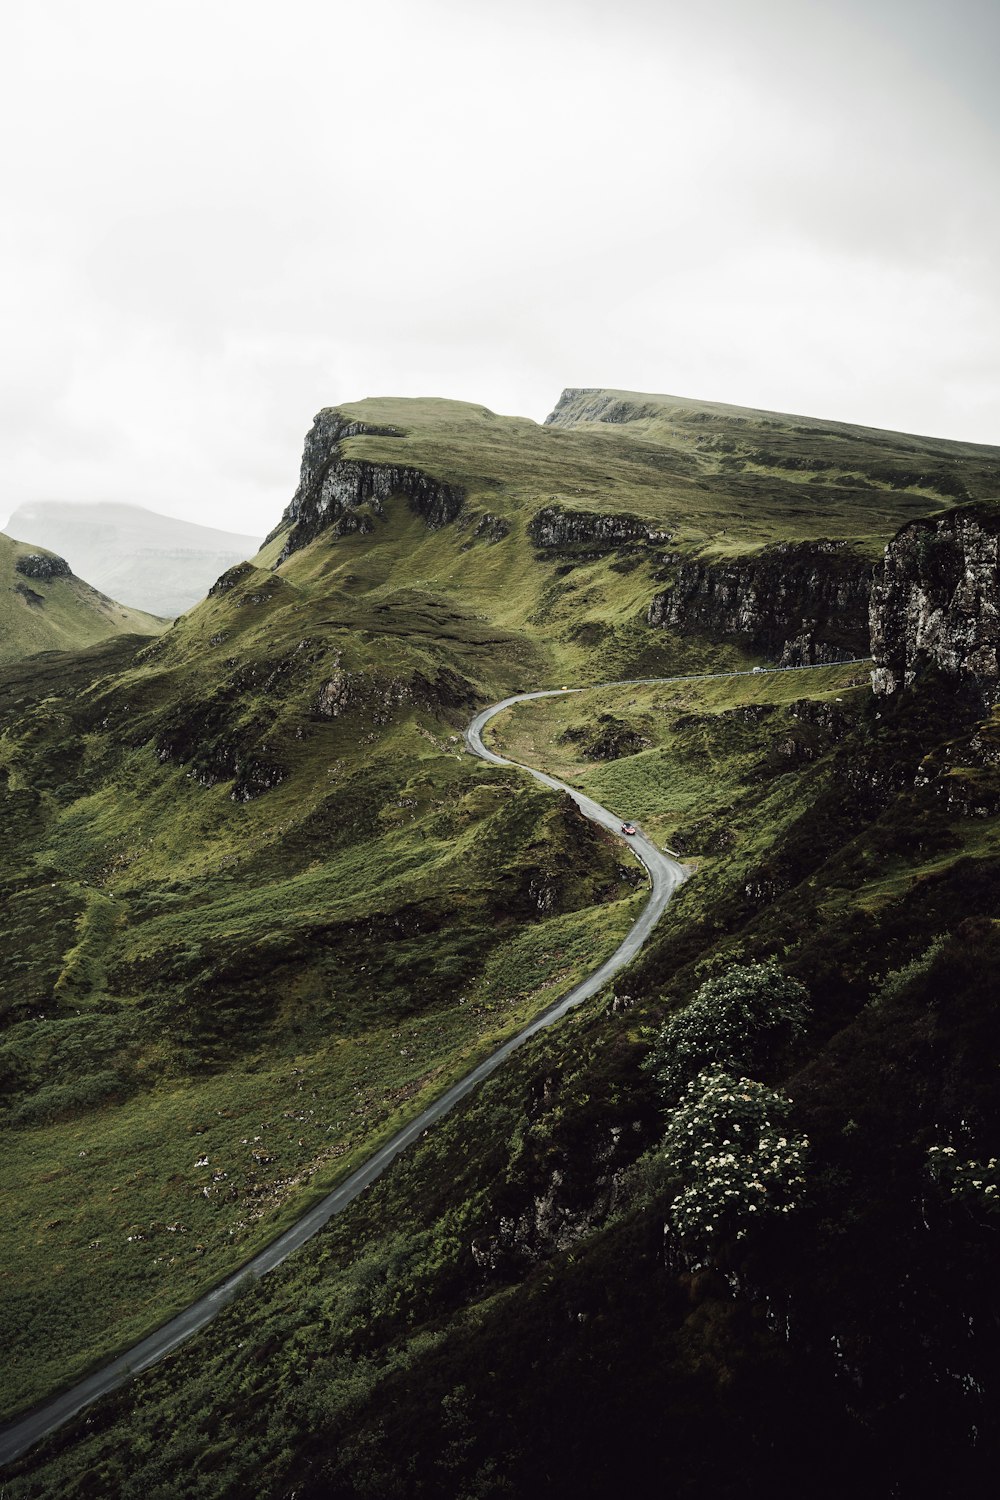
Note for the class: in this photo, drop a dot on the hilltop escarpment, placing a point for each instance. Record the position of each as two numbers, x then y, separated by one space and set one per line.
343 494
935 605
796 602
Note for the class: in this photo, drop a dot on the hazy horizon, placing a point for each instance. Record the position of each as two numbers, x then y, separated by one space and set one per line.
49 502
215 229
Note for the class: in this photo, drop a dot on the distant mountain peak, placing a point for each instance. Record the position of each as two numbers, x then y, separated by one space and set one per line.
144 559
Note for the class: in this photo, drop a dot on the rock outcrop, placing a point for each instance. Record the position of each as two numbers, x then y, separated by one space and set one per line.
935 605
556 529
557 1206
610 739
375 696
232 578
42 565
487 528
342 495
797 602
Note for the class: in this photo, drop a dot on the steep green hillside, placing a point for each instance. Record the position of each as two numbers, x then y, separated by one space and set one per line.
225 978
45 607
505 1302
261 905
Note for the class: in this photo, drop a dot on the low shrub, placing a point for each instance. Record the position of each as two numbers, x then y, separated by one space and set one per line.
729 1147
738 1020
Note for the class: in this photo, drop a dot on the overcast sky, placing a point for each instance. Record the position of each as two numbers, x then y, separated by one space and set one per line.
218 217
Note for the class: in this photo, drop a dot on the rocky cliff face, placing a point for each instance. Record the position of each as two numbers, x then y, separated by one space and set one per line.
797 602
935 605
555 529
342 494
591 404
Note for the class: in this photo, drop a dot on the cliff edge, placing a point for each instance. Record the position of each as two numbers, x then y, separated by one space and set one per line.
935 605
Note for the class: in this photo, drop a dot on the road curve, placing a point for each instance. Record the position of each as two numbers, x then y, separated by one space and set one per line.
18 1435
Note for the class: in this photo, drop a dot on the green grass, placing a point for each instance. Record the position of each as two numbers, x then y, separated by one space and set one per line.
111 1225
370 919
55 614
695 760
831 464
719 477
308 967
234 912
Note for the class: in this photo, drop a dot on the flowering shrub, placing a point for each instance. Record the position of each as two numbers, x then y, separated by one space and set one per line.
973 1183
729 1145
735 1021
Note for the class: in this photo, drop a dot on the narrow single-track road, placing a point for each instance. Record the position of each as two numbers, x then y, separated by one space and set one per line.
665 875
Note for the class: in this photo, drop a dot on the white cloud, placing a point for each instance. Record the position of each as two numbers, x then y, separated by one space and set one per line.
220 217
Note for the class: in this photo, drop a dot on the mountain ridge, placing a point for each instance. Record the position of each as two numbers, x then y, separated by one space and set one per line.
605 404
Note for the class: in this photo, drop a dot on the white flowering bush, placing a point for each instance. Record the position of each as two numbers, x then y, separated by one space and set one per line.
729 1144
736 1021
974 1183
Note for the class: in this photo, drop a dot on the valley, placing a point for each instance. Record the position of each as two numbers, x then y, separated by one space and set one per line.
262 907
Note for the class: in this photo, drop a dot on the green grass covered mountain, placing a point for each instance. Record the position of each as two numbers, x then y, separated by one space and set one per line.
259 904
45 607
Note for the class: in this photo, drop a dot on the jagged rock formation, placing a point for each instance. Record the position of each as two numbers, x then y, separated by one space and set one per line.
231 579
380 694
797 602
547 1206
555 529
610 739
935 605
342 494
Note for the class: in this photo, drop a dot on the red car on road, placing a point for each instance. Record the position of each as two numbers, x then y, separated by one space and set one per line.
629 828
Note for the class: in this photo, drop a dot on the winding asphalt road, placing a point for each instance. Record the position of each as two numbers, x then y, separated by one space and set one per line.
665 876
